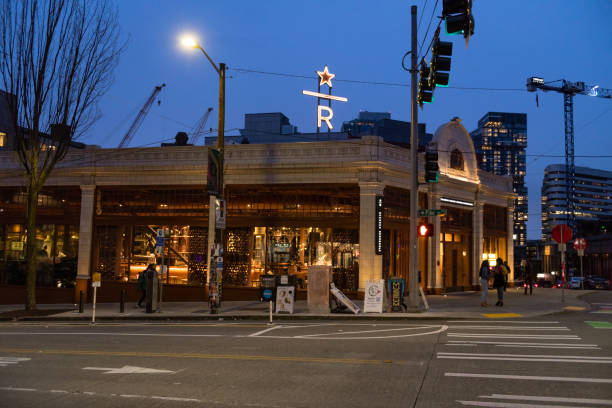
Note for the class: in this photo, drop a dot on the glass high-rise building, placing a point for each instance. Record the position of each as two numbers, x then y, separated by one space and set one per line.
592 200
501 142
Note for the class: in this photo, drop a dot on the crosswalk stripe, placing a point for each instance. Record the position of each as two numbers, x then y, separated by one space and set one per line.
517 336
547 399
500 321
530 377
525 355
562 328
520 343
491 404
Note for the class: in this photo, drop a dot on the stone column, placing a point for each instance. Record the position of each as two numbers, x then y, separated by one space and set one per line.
433 265
477 241
510 246
88 194
370 264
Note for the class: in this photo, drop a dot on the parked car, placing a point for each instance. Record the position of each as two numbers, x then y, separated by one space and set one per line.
597 282
543 283
558 284
576 282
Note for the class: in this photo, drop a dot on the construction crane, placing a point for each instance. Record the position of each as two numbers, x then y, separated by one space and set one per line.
569 89
140 117
197 129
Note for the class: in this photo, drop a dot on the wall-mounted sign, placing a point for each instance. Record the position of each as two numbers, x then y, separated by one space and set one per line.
325 78
378 225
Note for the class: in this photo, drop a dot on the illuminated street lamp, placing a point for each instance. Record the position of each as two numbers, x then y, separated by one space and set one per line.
213 289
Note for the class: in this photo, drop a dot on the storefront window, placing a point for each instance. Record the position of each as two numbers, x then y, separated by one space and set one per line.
288 250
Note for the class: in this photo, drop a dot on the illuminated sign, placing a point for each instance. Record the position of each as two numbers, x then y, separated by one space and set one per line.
458 202
325 113
378 225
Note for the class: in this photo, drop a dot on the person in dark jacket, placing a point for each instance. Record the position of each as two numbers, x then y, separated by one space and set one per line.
484 282
142 283
499 281
529 277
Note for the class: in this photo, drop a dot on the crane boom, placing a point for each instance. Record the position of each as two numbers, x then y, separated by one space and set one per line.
197 129
140 117
569 89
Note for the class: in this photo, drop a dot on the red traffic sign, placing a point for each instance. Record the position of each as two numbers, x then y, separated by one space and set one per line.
580 244
562 233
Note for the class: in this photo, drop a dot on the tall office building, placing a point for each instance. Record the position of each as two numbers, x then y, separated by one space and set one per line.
500 142
592 200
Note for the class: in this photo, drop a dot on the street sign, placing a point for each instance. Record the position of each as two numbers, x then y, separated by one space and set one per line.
96 280
159 241
431 212
562 233
220 214
580 244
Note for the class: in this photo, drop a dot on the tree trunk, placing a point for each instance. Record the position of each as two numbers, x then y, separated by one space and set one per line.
31 248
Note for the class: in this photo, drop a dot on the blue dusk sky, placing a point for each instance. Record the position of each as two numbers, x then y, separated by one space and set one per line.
363 41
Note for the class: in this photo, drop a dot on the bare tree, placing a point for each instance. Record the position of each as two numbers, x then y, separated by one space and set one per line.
57 58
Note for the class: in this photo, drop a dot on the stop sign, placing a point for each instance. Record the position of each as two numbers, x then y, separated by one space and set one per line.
562 231
580 244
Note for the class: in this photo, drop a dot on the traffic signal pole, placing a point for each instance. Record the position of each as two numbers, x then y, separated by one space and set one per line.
413 299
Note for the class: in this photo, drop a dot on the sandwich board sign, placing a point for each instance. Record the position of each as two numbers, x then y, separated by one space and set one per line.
343 299
373 301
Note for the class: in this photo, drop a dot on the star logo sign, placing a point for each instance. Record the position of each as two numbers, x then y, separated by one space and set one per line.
326 77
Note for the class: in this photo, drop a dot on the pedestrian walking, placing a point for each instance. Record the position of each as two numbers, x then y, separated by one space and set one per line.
484 282
500 279
142 284
529 277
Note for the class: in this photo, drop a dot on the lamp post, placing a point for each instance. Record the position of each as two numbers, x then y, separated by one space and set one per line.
214 280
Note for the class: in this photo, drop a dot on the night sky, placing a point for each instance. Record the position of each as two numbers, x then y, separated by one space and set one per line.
363 41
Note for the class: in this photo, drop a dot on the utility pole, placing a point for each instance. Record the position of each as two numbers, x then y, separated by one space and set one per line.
413 299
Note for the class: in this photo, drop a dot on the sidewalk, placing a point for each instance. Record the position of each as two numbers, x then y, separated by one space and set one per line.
458 305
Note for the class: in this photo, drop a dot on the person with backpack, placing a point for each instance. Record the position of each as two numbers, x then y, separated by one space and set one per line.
484 282
500 279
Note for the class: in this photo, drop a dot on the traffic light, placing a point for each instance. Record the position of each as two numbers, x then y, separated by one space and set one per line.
458 17
425 230
440 61
431 166
425 93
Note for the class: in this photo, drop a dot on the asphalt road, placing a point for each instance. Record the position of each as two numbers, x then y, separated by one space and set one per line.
563 360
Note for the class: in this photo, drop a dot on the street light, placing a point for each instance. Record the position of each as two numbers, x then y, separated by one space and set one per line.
213 292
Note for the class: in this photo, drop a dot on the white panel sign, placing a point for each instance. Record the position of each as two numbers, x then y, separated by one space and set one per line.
285 296
373 301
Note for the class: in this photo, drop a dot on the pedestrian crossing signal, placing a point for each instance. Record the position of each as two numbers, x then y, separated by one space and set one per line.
425 230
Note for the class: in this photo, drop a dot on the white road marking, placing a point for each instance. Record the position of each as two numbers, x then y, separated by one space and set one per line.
16 389
342 335
547 399
530 377
562 328
368 331
552 347
176 399
511 405
6 361
525 357
59 391
517 336
264 331
520 343
499 321
129 370
107 334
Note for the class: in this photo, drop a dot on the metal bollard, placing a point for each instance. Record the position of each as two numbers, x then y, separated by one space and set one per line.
122 302
81 301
